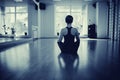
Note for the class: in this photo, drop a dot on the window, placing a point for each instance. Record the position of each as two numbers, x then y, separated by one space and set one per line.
17 18
21 20
21 9
10 10
62 11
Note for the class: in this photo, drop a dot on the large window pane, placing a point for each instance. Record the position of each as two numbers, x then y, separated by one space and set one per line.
21 9
62 9
21 23
9 18
62 12
9 22
77 22
9 9
76 9
21 20
16 18
60 22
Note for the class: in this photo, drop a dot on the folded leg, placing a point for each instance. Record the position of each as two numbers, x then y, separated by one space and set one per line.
61 46
76 46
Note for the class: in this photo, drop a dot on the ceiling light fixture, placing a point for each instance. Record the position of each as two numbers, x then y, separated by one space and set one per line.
88 0
56 0
18 0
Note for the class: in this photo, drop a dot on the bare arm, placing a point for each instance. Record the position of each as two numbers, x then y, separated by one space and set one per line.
77 35
61 36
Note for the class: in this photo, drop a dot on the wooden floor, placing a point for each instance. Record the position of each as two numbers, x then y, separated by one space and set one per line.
41 60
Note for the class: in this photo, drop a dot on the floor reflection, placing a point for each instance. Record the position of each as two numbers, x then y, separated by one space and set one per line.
42 60
92 45
16 59
69 64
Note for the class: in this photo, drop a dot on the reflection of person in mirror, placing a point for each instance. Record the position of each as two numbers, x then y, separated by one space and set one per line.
69 34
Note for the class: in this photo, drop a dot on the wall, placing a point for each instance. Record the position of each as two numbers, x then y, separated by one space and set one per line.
111 11
46 28
91 14
85 19
47 21
32 21
102 19
119 25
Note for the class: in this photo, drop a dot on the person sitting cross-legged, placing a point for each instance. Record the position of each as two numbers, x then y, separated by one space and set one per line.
71 37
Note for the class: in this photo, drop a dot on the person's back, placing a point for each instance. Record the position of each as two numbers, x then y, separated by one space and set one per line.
69 38
69 34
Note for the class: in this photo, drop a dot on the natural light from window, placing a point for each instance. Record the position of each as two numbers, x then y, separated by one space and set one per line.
60 14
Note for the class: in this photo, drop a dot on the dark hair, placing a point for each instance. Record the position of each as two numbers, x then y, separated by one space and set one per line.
69 19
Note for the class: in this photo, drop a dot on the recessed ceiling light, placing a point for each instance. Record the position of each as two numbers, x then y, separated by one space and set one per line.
18 0
56 0
88 0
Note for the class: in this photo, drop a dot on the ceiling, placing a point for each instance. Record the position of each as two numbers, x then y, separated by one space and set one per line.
79 2
54 1
49 1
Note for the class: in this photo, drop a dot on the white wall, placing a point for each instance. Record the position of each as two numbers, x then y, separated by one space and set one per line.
47 21
89 17
32 20
85 19
102 19
91 14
